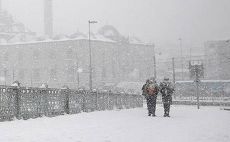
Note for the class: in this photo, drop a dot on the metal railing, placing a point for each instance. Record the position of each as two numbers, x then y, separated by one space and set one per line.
25 103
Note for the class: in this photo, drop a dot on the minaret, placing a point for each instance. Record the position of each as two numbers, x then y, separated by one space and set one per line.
0 5
48 18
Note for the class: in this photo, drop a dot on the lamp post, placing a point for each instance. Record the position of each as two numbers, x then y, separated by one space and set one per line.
79 70
13 72
154 62
5 71
90 57
181 54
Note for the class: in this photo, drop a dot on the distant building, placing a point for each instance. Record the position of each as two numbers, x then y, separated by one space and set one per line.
11 30
217 58
58 60
66 62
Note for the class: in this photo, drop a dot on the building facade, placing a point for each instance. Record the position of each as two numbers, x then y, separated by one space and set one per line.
217 55
66 62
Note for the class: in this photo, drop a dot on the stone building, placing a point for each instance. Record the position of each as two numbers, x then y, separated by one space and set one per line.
66 62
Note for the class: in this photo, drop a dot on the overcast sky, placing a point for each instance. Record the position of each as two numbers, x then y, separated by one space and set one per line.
159 21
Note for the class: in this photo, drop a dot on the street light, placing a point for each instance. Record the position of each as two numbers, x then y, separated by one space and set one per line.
90 58
182 66
79 70
5 71
154 62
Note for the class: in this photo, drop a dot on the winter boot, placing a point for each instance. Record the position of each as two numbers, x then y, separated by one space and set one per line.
166 115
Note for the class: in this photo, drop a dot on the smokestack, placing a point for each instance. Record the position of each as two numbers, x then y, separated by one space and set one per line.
48 17
0 5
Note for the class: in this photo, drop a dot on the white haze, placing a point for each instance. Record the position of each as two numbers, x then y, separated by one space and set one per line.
160 21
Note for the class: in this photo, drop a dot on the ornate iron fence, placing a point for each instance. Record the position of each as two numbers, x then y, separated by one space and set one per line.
26 103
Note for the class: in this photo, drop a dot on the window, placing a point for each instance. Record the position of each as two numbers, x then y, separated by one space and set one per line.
70 74
36 75
69 53
53 74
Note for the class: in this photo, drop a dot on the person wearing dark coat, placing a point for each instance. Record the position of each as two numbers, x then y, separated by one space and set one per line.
166 89
144 88
151 90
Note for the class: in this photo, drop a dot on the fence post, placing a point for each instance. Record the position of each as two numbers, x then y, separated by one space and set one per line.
197 86
97 101
108 104
173 69
83 101
16 93
67 99
44 102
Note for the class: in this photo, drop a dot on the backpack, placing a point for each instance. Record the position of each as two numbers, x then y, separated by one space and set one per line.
166 88
152 89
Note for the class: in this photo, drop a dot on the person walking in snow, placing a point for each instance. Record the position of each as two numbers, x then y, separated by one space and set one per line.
152 90
166 89
144 88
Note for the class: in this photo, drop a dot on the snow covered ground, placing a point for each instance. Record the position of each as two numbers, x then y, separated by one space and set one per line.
187 124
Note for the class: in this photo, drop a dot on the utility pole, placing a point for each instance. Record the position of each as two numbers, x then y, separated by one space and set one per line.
90 58
13 74
31 78
173 69
154 62
197 85
196 71
5 71
182 66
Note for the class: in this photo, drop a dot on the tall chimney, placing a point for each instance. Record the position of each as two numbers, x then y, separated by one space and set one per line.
48 17
0 5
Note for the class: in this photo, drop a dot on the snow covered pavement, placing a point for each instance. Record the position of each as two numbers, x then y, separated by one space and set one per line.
187 124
